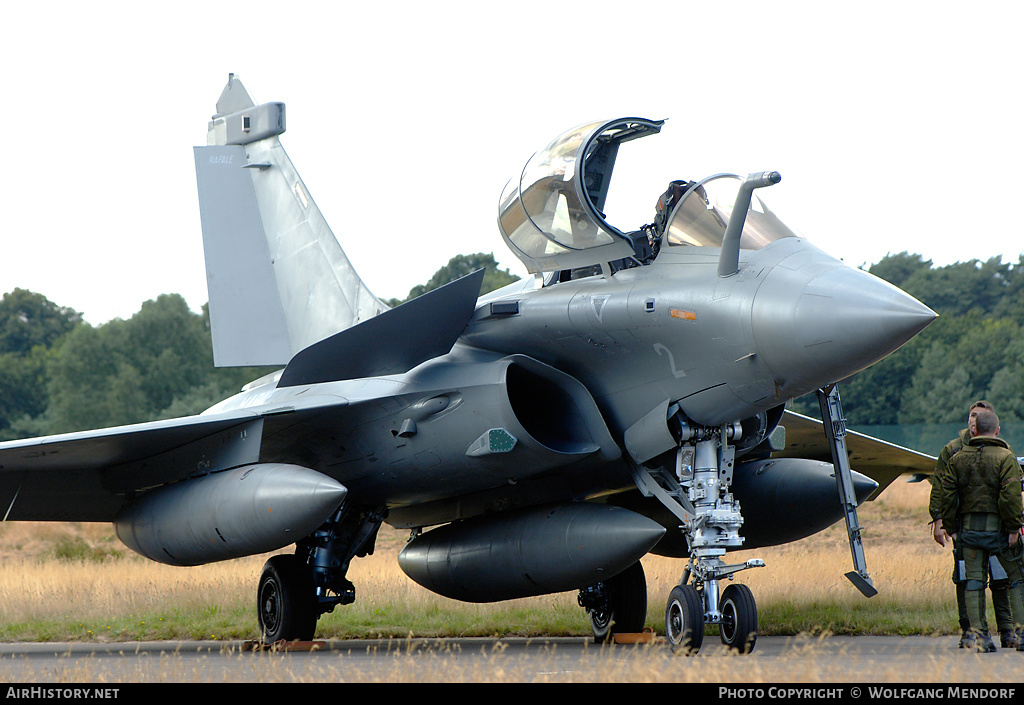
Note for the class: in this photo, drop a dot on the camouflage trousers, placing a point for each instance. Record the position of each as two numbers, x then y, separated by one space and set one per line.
997 582
979 547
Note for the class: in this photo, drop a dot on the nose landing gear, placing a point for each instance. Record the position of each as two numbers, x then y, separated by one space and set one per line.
698 495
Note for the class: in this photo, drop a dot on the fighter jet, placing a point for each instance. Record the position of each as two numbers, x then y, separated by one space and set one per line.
627 397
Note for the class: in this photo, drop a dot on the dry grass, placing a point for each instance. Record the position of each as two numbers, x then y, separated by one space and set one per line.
99 591
75 582
806 663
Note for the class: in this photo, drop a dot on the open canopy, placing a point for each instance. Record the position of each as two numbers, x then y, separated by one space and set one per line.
551 217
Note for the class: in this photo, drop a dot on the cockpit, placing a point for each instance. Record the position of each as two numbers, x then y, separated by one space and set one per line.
700 216
552 216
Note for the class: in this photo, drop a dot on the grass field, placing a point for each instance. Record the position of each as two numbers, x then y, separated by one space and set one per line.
70 582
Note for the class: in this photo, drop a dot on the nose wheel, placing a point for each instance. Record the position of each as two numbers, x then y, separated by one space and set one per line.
739 618
684 620
687 613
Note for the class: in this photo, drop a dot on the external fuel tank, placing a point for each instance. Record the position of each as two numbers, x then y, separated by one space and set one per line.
532 552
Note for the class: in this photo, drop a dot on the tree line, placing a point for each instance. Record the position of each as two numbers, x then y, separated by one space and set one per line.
59 373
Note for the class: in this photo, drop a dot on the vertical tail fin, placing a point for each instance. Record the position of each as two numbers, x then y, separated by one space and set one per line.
278 279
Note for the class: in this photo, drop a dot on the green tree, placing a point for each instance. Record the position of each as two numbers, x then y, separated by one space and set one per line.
983 350
940 392
170 346
28 320
874 396
459 266
79 372
960 287
1006 389
29 325
1011 305
896 269
22 386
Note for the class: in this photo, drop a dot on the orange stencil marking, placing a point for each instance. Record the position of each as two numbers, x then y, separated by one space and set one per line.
685 315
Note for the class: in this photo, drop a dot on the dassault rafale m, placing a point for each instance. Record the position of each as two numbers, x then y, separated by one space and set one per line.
626 398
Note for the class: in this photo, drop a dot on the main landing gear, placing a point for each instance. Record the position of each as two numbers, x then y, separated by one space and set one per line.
618 605
697 493
294 590
286 600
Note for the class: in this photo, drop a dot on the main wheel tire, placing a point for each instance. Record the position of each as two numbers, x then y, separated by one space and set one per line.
286 600
684 619
739 618
625 610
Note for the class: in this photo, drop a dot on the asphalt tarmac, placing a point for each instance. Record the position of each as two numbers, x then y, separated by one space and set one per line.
865 661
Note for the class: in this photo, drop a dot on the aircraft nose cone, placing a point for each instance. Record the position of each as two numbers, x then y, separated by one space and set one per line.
820 324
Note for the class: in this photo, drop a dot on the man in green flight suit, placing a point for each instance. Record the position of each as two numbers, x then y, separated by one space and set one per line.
981 495
1000 600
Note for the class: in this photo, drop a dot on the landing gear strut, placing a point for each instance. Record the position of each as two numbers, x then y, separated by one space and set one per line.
697 493
294 590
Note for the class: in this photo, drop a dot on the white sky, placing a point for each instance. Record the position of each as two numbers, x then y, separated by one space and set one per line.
896 125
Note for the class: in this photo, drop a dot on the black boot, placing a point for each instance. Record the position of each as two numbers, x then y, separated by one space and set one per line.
966 636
